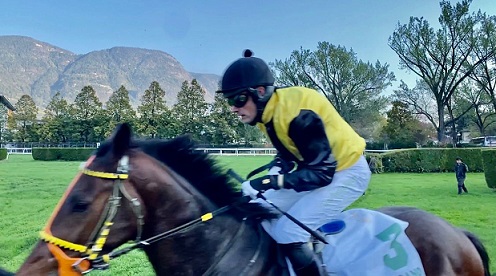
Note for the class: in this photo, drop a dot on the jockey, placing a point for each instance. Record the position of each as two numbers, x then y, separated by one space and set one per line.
307 131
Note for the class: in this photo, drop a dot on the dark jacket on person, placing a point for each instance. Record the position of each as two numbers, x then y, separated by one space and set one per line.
305 128
460 170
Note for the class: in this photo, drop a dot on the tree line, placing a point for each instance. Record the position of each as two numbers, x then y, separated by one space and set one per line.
87 120
455 91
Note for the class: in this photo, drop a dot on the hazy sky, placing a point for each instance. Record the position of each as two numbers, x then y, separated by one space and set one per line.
206 35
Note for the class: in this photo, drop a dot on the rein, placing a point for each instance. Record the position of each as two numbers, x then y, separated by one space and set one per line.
91 252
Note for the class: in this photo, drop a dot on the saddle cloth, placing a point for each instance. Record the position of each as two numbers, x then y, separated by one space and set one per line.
371 244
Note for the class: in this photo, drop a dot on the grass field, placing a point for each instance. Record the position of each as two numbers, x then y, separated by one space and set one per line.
29 190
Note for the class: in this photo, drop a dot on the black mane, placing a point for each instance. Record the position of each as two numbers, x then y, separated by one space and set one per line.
200 169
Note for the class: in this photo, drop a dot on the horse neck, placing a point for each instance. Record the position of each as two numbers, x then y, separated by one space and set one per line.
203 247
221 246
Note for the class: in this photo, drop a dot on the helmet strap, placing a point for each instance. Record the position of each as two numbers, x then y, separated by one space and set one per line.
261 102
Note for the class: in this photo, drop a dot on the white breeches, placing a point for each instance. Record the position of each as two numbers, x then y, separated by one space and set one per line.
317 207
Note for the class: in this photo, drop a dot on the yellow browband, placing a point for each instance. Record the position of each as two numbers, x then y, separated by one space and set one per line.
105 174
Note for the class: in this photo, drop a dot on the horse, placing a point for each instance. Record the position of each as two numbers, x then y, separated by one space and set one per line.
180 207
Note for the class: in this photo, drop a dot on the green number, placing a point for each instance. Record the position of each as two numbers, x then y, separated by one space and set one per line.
401 258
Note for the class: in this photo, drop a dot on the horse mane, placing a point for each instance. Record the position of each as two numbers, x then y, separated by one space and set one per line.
200 169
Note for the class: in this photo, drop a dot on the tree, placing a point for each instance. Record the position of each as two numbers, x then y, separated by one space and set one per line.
420 99
24 120
482 113
119 110
221 122
442 58
87 112
402 129
485 75
351 85
3 122
191 110
57 122
152 110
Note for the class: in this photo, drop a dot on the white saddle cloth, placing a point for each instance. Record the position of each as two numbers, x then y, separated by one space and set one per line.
372 244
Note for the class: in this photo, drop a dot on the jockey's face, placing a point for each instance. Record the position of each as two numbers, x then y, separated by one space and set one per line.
247 112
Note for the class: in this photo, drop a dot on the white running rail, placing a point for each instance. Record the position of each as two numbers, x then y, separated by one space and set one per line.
239 151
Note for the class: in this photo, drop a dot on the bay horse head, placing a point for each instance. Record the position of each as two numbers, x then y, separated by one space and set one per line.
155 194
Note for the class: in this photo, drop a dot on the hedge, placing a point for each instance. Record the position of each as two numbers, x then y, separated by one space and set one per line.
64 154
489 157
3 154
431 160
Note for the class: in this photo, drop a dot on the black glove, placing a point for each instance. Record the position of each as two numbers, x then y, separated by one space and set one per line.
265 183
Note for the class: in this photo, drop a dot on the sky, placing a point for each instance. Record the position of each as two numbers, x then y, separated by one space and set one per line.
206 36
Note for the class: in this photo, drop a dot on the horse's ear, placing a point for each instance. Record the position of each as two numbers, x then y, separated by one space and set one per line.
121 139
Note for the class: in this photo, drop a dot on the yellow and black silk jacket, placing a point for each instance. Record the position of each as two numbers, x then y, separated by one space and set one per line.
306 128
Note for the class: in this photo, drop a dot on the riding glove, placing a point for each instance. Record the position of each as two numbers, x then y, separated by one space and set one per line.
261 184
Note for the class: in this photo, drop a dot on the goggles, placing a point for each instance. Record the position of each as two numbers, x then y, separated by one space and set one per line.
238 100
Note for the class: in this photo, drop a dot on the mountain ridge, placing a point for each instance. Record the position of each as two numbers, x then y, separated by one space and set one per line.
40 69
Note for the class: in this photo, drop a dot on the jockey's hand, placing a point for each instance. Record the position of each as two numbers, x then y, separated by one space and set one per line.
261 184
248 190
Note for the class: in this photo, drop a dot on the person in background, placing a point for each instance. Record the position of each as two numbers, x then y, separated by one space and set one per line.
331 172
460 171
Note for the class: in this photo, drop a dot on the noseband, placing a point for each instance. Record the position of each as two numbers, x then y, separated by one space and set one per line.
92 257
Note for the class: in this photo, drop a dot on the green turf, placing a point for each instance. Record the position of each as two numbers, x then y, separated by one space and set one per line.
29 190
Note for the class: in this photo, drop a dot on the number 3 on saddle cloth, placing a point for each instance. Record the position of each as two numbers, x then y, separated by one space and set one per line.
367 242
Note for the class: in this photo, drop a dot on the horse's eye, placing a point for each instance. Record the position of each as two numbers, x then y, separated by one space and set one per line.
80 206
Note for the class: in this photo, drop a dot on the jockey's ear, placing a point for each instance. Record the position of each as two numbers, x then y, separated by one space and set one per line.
121 139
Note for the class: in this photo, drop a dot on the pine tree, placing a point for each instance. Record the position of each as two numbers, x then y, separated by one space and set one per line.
119 110
191 110
222 122
152 110
24 120
87 110
57 122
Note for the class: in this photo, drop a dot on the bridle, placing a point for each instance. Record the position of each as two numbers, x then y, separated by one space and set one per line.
91 254
92 257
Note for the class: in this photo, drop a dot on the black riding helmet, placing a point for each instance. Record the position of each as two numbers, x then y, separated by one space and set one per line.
246 74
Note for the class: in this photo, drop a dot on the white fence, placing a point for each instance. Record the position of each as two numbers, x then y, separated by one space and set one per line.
239 151
214 151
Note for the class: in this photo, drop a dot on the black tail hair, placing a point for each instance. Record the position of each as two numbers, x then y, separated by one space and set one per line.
4 272
481 249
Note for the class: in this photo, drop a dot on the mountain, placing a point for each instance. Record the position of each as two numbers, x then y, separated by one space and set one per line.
39 69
